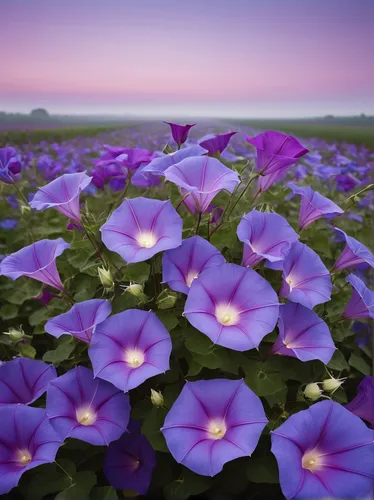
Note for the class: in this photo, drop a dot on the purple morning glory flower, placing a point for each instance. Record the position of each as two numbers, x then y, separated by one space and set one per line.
266 181
36 261
9 164
265 236
234 306
362 333
216 144
324 452
276 151
303 334
182 265
81 320
313 205
363 404
27 440
45 297
213 422
361 304
141 227
201 178
158 165
129 462
180 132
133 158
24 380
130 347
8 224
354 253
62 194
306 279
109 172
85 408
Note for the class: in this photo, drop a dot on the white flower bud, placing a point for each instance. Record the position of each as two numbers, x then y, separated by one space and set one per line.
157 398
312 391
106 278
15 334
135 289
332 384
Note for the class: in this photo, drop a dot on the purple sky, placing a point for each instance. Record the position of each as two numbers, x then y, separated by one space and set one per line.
256 58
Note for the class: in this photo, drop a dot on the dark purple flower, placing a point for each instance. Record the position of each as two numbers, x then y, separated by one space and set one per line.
363 404
303 334
182 265
213 422
200 179
180 132
362 333
346 182
265 236
129 463
109 172
81 320
8 224
313 205
324 452
45 297
133 158
141 227
9 164
306 279
234 306
62 194
37 261
27 440
361 304
158 165
130 347
85 408
216 144
354 253
24 380
276 151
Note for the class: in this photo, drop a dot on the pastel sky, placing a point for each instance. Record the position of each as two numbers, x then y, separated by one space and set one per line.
249 58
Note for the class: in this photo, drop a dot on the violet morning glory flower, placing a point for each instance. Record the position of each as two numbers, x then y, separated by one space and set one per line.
62 194
180 132
133 158
362 333
8 224
216 144
27 440
313 205
141 227
9 164
234 306
158 165
85 408
354 253
130 347
363 404
265 236
306 279
213 422
129 462
24 380
361 304
200 179
324 452
266 181
303 334
113 174
276 151
182 265
81 320
36 261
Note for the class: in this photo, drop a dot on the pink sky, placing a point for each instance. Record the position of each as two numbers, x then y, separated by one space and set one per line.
216 57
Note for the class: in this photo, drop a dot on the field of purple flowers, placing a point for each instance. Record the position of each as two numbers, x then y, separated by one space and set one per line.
186 311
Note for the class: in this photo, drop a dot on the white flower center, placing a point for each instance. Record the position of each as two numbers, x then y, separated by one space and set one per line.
86 415
146 240
227 315
134 358
190 277
216 429
290 283
311 461
24 457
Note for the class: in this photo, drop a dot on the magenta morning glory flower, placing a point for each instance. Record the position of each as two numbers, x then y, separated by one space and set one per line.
133 158
27 440
81 320
216 144
200 179
130 347
324 452
354 253
313 205
306 279
23 380
265 236
180 132
213 422
361 304
129 462
303 334
9 164
141 227
182 265
363 404
62 194
276 151
85 408
36 261
234 306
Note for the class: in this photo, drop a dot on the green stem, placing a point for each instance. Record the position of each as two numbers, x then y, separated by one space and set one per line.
65 472
94 244
250 180
20 192
198 222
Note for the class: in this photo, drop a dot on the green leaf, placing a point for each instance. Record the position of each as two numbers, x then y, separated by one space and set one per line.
26 289
139 272
83 484
104 493
47 479
27 350
359 363
166 299
169 319
190 484
196 342
263 470
79 253
338 362
151 428
263 379
8 311
62 352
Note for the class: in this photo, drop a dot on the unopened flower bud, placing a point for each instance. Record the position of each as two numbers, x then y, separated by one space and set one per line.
332 384
106 278
135 289
166 299
25 209
312 391
157 398
15 334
